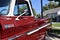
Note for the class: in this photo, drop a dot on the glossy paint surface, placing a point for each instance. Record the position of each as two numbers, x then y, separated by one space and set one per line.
18 29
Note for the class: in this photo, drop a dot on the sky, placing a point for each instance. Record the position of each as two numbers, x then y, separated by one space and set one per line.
37 4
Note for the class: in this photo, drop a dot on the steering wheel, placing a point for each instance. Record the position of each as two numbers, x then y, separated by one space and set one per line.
2 11
25 11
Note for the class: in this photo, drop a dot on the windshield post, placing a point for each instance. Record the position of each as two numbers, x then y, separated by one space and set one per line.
11 8
30 7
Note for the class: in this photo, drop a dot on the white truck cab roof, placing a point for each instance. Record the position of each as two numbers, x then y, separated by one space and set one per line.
12 4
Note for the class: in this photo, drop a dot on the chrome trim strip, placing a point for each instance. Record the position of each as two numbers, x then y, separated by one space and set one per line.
31 32
15 37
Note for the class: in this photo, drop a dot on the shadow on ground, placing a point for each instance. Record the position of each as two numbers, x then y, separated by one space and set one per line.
55 31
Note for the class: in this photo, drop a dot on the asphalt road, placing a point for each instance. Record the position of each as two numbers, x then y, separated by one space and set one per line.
53 37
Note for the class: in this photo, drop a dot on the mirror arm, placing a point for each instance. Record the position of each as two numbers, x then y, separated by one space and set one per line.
20 16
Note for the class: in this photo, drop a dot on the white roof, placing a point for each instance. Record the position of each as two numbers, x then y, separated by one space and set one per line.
54 10
59 12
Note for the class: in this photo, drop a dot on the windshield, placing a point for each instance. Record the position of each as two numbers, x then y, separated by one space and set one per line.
20 8
4 6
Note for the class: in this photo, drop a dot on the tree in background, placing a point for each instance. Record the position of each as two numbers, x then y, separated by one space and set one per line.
25 7
45 7
34 11
56 1
38 15
50 5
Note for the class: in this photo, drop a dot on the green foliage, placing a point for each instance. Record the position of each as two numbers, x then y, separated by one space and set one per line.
56 1
50 5
56 24
38 15
55 31
45 7
23 8
34 12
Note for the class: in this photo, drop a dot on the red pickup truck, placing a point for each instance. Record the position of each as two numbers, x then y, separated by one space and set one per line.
17 21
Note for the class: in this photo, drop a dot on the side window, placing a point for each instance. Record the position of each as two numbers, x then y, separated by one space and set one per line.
16 11
4 7
21 8
4 10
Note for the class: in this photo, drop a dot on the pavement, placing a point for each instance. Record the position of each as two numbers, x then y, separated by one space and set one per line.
53 36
